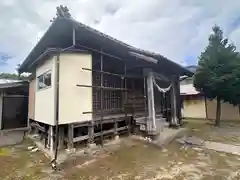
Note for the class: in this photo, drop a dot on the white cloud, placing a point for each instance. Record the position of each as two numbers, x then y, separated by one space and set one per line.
174 28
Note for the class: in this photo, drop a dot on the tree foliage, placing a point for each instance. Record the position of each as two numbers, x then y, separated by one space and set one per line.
218 73
12 76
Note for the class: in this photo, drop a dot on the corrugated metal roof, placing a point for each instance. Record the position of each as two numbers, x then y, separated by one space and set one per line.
188 89
6 81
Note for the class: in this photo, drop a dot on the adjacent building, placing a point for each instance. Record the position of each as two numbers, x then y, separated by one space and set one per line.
196 106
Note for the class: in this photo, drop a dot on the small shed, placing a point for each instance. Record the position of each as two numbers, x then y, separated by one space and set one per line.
13 104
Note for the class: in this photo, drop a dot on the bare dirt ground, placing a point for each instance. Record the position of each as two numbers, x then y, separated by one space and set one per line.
133 160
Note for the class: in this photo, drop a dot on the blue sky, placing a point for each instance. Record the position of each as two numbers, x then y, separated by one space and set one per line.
4 59
177 29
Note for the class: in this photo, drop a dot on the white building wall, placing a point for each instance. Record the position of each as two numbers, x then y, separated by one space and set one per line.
73 100
44 98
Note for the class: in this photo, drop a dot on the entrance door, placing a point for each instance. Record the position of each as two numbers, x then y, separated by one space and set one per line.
14 112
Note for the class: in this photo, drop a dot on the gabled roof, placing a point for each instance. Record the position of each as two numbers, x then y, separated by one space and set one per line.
192 68
188 89
59 35
7 83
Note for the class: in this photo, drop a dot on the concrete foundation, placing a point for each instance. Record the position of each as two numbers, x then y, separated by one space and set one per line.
165 137
92 145
12 137
169 134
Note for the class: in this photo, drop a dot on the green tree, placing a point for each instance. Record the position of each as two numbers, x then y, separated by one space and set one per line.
217 74
12 76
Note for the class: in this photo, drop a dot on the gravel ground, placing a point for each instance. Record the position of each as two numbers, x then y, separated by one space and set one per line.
130 160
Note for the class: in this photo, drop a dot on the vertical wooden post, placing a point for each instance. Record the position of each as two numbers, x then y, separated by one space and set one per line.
174 118
70 136
151 104
145 101
102 99
51 140
91 132
124 85
61 137
45 136
49 137
178 100
115 129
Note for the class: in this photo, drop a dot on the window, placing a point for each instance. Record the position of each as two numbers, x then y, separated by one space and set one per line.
44 81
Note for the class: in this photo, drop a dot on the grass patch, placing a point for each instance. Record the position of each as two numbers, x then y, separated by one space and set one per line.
3 152
226 133
139 161
19 163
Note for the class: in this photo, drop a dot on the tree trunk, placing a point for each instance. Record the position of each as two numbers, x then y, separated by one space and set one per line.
218 112
206 108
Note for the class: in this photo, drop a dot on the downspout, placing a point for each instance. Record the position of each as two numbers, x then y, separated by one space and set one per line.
54 161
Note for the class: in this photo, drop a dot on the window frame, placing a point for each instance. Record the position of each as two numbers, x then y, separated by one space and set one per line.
43 76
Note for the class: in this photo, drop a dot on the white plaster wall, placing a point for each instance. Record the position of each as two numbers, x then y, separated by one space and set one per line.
44 98
31 99
194 108
73 100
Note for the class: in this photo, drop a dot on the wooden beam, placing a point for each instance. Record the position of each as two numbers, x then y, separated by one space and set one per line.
80 138
110 131
85 137
103 88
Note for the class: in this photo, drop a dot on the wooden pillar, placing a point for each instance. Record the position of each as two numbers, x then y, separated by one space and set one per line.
51 144
91 132
49 138
174 112
45 136
178 100
145 101
115 129
70 136
151 104
61 137
102 99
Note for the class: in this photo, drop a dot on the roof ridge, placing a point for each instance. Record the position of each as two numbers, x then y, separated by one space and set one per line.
139 50
112 38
